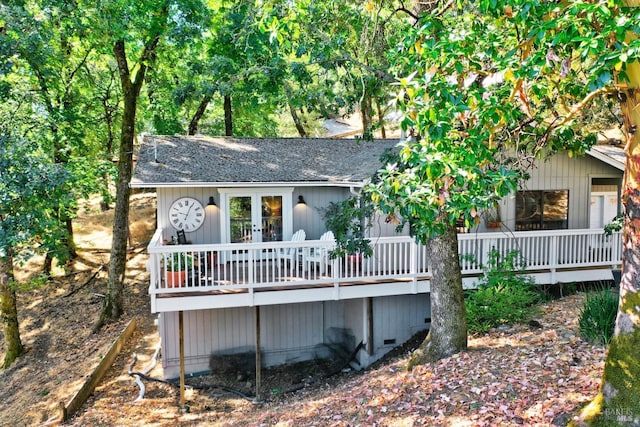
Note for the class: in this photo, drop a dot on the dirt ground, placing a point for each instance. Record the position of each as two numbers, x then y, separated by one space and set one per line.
57 317
514 375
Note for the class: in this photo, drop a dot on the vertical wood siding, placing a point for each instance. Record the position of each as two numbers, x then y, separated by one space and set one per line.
563 173
307 217
210 230
290 332
398 318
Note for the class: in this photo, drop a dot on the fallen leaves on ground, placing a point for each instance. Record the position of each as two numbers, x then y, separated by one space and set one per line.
512 376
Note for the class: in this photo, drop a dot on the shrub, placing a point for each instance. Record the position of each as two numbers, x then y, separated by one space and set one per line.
504 295
598 316
349 220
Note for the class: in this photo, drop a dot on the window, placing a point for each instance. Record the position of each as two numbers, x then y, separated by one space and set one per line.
542 210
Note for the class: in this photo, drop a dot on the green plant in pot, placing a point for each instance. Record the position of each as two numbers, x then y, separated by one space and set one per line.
177 265
349 220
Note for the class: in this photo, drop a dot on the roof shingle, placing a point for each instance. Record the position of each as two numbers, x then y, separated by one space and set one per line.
172 160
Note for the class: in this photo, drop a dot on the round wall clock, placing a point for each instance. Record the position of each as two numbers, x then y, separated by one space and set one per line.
186 214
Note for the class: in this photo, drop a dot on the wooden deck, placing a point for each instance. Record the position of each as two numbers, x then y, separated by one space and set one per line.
233 275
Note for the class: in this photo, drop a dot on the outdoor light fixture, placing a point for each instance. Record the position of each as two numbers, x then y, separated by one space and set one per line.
301 200
212 201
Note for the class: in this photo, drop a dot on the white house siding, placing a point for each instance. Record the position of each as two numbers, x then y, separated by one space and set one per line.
290 332
563 173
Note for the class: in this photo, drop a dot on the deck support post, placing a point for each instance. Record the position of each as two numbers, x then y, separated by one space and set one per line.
369 326
181 345
258 355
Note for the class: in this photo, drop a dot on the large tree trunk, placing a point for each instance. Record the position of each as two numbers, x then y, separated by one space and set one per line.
620 394
112 307
619 400
9 312
109 122
228 116
448 332
195 120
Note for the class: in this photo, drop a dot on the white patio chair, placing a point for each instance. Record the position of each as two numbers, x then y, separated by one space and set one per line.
290 255
320 255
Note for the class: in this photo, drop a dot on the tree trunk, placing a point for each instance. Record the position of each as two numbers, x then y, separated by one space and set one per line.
69 239
619 400
9 311
47 265
228 117
365 112
383 131
620 393
448 332
297 122
112 307
109 119
195 120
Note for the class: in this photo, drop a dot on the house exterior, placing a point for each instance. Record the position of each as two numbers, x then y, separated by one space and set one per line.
232 206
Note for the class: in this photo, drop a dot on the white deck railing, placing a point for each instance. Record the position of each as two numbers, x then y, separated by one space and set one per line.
283 265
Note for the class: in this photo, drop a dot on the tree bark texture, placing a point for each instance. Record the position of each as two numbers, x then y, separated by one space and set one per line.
228 116
9 312
383 132
366 112
112 308
620 393
448 332
195 120
297 122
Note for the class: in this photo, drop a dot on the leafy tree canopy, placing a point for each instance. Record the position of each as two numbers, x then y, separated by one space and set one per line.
484 86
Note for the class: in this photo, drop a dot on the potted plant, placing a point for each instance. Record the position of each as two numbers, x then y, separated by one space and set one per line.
493 218
177 265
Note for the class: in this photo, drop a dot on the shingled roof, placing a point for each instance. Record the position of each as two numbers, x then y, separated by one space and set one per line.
167 161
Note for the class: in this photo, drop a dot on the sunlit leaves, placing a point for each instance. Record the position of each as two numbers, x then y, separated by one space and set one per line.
31 190
485 78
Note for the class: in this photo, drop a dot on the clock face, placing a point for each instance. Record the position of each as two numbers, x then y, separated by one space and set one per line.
186 214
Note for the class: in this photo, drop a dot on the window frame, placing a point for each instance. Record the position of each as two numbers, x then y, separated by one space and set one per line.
542 223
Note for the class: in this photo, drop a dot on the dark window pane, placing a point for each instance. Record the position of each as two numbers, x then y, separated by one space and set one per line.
542 210
528 210
556 210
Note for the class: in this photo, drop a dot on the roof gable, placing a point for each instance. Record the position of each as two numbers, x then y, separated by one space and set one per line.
199 160
613 156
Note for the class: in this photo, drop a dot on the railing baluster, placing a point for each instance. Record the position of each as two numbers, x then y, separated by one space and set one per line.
249 266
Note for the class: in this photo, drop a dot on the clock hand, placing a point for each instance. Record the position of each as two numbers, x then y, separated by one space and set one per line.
188 212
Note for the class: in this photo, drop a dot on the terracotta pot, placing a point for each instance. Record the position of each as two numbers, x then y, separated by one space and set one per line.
175 279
